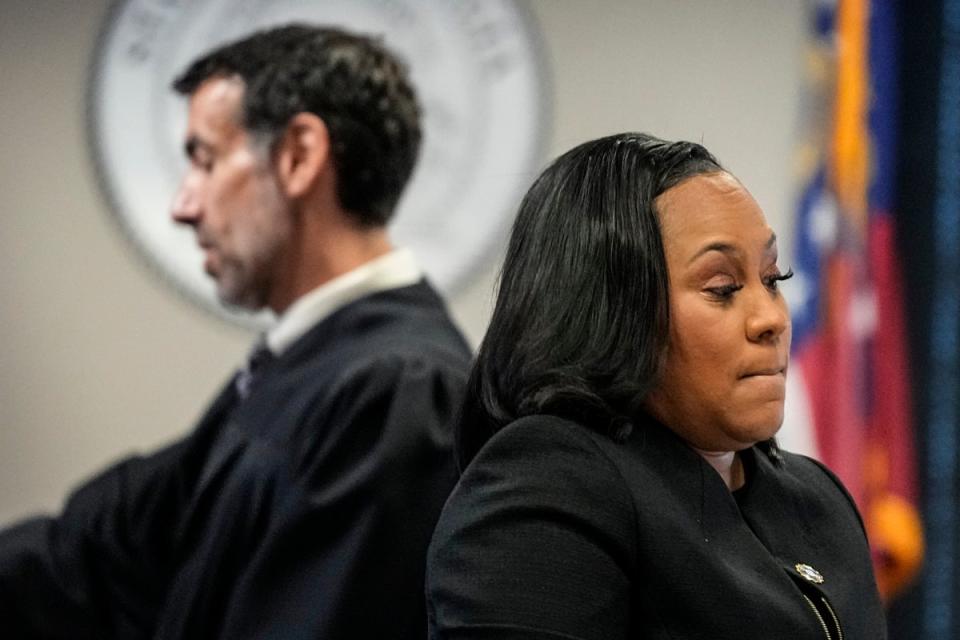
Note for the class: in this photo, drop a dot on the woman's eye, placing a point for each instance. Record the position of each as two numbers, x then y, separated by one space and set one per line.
724 292
773 281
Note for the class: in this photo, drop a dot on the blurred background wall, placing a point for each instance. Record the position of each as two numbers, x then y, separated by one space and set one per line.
100 357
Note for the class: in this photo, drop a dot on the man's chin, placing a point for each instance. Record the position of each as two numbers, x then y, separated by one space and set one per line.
241 301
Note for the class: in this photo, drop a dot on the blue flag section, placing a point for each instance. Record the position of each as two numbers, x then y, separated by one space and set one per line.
850 345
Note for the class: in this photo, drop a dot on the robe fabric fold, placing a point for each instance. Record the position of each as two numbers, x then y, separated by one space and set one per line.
303 511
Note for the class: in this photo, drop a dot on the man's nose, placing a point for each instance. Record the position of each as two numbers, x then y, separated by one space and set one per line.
186 203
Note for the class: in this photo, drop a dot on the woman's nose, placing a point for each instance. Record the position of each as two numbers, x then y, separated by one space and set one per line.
769 316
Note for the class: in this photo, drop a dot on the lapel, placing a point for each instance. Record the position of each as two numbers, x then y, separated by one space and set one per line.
779 499
199 448
218 436
691 485
230 422
213 419
749 544
697 495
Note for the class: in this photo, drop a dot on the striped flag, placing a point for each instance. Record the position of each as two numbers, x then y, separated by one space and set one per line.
849 345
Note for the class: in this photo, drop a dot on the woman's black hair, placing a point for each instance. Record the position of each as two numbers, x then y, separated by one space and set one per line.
580 325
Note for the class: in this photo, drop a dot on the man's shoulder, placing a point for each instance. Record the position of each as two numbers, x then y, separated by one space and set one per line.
378 355
417 308
406 328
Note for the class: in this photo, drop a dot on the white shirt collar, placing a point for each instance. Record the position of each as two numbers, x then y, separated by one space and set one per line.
389 271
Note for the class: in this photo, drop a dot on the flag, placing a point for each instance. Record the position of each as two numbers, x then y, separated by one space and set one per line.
849 344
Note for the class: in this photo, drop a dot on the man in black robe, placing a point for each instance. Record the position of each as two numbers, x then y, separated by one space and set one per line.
302 504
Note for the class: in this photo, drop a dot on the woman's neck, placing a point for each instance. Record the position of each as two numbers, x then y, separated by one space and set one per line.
728 465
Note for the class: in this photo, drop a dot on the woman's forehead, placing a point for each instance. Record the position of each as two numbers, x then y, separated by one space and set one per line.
710 208
714 188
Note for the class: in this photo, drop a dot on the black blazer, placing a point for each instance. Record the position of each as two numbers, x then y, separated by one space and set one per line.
303 512
556 531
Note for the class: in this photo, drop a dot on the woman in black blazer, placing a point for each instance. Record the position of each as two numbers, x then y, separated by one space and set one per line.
620 477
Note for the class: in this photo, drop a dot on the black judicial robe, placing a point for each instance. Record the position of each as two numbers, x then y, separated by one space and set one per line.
303 512
556 531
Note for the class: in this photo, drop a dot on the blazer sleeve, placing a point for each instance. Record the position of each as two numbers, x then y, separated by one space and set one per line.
537 541
343 556
99 568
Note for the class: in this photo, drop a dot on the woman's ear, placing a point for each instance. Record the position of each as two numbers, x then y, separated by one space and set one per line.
302 154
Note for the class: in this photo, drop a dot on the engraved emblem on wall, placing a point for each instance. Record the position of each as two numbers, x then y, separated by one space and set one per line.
480 75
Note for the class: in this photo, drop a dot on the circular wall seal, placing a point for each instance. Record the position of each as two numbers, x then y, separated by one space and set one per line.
480 76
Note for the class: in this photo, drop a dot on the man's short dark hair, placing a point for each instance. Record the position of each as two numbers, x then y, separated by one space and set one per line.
581 322
358 88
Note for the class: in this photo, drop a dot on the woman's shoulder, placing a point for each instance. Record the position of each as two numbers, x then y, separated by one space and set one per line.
812 473
814 484
546 462
535 445
540 504
544 430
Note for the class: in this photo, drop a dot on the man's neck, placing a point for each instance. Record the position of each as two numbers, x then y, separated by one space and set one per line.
322 256
391 271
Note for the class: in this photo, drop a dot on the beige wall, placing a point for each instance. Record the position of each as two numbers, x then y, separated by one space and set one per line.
99 357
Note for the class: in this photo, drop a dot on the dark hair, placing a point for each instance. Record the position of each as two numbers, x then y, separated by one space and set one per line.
359 89
580 325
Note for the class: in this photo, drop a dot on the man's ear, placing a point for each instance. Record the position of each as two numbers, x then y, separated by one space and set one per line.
303 154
